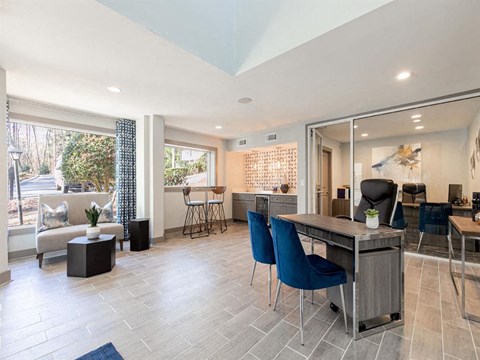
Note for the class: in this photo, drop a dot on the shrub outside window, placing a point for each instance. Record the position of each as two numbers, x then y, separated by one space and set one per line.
189 166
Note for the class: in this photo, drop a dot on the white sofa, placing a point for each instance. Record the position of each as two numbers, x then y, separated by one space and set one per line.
57 239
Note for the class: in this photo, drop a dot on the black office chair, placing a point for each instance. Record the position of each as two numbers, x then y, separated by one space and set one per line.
378 194
433 219
414 193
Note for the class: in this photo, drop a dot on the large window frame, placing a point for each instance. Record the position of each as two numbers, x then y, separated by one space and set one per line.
212 158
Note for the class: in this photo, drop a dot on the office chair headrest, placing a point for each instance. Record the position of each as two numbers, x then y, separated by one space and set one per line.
376 190
413 188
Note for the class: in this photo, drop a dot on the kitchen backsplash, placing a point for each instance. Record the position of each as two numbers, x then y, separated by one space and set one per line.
266 169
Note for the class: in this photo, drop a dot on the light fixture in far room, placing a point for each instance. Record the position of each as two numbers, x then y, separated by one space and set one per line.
416 116
244 100
419 127
364 135
417 120
114 89
218 127
404 75
355 126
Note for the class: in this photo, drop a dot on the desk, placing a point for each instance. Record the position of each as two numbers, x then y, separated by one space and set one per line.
467 229
373 260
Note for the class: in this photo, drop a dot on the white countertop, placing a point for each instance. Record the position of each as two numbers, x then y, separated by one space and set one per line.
264 193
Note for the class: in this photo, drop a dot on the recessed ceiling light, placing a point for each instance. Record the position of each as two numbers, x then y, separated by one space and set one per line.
416 120
416 116
244 100
365 135
218 127
355 126
419 127
114 89
404 75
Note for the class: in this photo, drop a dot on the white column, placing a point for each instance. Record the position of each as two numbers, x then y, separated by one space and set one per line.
4 271
150 172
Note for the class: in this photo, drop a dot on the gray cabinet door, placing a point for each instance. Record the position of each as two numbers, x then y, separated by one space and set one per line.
240 208
290 209
276 209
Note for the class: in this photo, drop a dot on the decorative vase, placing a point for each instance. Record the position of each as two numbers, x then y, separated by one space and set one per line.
284 188
93 232
372 222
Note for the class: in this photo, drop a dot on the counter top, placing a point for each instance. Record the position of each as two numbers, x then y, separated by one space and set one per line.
264 193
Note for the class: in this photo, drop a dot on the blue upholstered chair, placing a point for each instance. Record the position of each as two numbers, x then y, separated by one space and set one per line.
300 271
433 219
262 246
399 219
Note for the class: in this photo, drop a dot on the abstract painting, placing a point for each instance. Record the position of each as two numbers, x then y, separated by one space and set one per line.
402 163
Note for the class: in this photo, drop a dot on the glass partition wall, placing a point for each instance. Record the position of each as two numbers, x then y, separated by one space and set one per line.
433 149
430 152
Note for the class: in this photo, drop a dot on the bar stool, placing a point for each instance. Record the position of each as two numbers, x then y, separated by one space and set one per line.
216 213
194 218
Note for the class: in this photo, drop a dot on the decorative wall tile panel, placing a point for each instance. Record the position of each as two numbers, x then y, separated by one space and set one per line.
266 169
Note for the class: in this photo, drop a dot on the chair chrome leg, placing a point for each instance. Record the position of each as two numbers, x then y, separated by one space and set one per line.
269 284
420 241
301 316
313 291
253 272
344 308
450 246
279 284
311 246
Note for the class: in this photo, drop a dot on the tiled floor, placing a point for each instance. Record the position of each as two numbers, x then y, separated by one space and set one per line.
191 299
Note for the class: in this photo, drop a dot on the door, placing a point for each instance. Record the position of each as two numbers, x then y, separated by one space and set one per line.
315 174
326 189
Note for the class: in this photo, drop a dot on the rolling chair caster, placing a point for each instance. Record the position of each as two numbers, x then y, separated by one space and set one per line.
362 326
333 307
395 316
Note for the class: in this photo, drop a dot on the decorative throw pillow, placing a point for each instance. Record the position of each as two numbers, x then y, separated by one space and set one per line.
54 218
106 216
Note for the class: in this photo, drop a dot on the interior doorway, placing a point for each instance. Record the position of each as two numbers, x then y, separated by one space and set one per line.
326 185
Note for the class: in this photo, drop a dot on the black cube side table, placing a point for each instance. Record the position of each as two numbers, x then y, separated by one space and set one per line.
86 258
139 235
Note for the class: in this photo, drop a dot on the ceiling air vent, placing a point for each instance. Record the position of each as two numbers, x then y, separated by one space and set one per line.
271 137
242 142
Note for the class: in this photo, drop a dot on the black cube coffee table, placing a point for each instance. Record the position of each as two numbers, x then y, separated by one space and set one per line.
86 258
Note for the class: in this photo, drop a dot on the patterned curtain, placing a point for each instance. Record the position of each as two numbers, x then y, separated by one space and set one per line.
125 173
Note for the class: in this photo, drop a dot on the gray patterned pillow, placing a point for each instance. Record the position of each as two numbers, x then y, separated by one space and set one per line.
54 218
106 215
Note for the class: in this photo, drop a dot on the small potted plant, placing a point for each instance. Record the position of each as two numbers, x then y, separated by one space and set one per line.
93 231
372 218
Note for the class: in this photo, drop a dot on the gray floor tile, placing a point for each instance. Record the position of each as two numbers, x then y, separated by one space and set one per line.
274 341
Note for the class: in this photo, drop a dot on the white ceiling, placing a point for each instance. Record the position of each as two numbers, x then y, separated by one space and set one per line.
443 117
68 52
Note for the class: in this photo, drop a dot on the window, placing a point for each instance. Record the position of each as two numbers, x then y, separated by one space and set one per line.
189 165
50 161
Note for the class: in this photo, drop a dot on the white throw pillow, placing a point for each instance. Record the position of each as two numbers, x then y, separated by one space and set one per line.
106 215
54 218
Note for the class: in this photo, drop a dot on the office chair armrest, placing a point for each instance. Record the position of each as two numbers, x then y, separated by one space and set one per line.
343 217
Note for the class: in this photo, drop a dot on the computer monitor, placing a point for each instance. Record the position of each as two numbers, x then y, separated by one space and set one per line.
454 192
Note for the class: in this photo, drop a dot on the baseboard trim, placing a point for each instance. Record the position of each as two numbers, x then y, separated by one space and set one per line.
178 231
5 277
157 240
21 254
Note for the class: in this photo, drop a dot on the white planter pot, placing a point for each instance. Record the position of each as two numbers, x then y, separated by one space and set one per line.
372 223
93 232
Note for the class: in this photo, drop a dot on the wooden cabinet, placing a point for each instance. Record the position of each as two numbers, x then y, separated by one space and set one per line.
340 207
283 205
278 205
241 204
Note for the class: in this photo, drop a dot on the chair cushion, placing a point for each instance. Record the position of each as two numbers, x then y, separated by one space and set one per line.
195 203
215 201
53 218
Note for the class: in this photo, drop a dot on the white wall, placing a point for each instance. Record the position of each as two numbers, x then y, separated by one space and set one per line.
235 171
473 132
174 208
4 272
443 159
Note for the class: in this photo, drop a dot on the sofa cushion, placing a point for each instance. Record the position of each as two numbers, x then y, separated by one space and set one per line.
53 218
106 216
57 239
